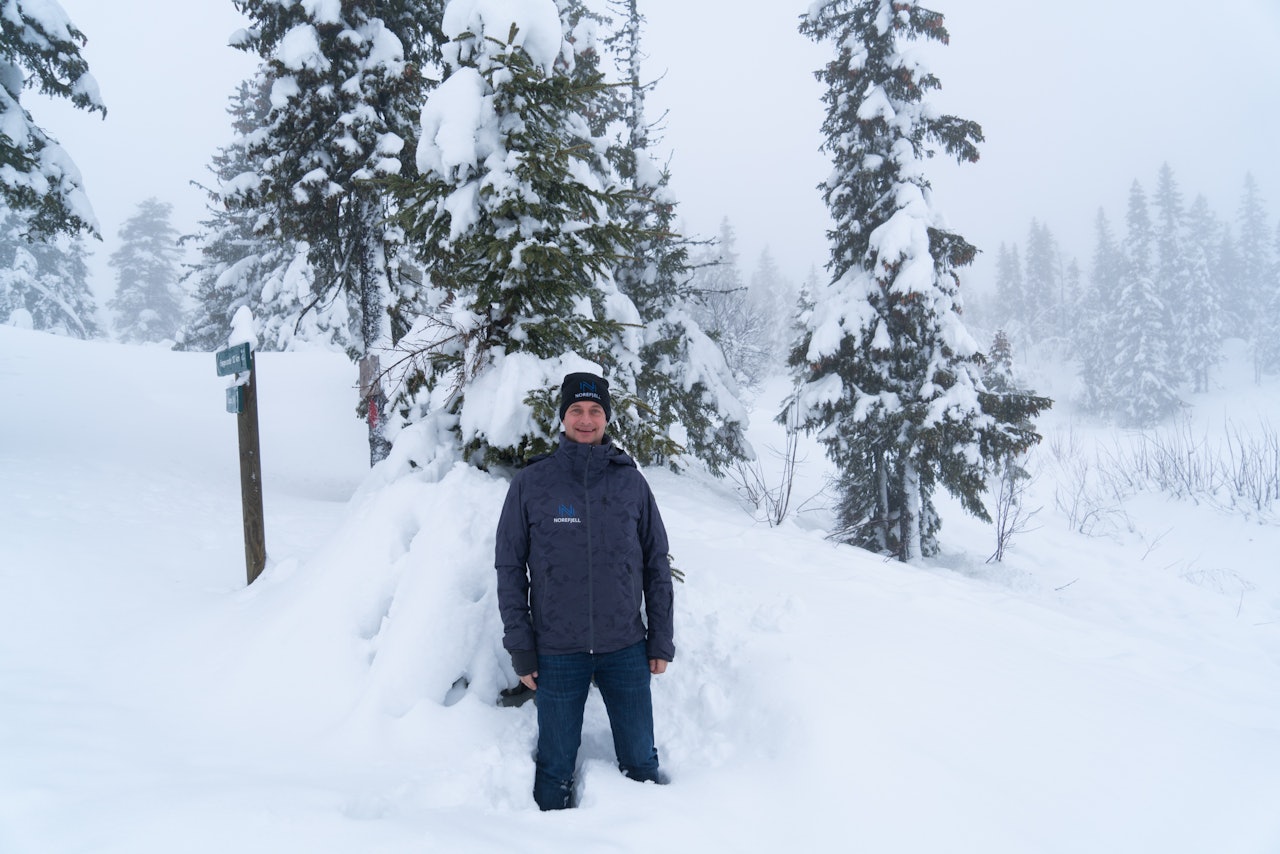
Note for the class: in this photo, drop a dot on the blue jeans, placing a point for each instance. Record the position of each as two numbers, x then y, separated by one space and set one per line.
563 683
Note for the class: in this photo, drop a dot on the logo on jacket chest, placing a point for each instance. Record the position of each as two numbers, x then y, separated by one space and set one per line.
565 514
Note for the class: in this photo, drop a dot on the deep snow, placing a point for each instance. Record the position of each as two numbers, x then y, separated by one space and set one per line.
1117 691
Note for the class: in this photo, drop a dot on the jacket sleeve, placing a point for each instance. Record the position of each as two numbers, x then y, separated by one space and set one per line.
658 593
511 554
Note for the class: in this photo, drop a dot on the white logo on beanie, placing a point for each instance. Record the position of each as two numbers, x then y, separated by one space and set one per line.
584 387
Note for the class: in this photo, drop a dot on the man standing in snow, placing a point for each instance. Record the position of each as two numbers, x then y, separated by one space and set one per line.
584 587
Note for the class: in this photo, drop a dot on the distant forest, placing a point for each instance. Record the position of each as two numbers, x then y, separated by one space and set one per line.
1146 317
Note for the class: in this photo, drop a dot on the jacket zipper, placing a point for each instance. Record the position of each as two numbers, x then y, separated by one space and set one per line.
591 605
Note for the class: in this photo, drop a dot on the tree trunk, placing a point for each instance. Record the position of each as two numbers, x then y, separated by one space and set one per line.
375 407
911 505
373 320
884 511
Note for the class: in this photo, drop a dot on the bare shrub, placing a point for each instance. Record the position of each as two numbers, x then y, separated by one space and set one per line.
1084 492
1011 514
1238 472
773 501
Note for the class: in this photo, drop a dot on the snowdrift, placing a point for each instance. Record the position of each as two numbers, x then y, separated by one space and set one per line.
1111 692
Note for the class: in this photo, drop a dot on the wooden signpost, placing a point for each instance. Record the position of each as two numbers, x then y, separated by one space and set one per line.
242 400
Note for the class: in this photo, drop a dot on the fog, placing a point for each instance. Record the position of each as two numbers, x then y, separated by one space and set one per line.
1076 102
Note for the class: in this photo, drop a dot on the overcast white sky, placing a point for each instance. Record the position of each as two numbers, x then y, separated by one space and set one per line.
1077 100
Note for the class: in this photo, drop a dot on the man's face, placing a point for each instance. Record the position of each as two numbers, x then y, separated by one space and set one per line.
585 422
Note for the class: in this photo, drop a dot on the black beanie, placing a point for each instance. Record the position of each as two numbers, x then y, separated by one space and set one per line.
585 387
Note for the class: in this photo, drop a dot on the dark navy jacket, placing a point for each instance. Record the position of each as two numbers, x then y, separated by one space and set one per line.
581 552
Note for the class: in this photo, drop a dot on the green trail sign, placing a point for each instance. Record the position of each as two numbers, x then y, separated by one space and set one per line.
234 360
242 401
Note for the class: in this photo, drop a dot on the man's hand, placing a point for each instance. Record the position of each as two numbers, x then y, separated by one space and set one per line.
657 665
533 686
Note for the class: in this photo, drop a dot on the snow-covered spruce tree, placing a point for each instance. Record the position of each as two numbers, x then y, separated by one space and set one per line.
346 82
997 373
1173 267
40 49
1271 312
518 238
1226 265
1202 322
1010 293
683 380
45 279
1144 382
890 380
147 303
1009 402
723 307
1253 285
773 295
1042 283
1098 323
238 264
1009 399
1073 294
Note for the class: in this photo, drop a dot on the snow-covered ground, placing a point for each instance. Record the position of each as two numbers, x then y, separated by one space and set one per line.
1115 690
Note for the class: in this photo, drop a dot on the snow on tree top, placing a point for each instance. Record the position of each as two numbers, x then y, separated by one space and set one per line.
537 26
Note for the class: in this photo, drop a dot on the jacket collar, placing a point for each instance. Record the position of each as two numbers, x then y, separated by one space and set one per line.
578 455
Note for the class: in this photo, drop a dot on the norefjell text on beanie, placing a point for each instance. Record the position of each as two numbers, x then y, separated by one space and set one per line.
578 388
